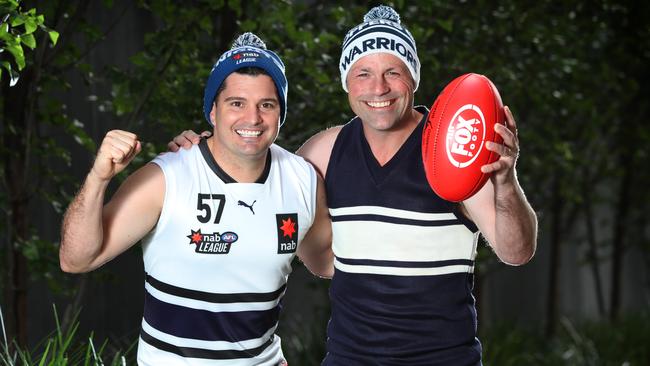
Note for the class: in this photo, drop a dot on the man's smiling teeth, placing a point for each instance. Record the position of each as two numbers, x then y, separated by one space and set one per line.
248 133
385 103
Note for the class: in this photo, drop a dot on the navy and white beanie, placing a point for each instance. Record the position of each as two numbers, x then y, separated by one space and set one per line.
380 31
248 50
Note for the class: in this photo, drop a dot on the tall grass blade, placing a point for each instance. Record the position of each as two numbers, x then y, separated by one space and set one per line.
45 353
6 357
98 361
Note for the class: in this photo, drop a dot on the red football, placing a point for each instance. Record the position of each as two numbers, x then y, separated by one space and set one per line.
461 120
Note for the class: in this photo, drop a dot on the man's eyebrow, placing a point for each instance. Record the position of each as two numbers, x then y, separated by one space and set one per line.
228 99
274 100
369 69
238 98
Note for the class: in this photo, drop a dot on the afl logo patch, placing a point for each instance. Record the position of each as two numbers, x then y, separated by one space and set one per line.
287 225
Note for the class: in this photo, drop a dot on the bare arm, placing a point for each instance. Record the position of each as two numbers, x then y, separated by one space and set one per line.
316 247
186 139
500 209
316 250
318 149
93 234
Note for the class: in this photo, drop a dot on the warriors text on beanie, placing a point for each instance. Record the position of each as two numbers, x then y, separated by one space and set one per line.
380 31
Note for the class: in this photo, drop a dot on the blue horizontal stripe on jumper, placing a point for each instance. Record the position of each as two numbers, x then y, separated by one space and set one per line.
404 264
185 322
214 297
395 220
191 352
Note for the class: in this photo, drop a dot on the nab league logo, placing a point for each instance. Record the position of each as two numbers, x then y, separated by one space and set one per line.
214 243
287 225
245 57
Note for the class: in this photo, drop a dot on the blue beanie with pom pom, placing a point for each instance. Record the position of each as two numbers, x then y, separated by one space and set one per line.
248 50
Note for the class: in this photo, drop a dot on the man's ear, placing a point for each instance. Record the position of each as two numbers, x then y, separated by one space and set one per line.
213 113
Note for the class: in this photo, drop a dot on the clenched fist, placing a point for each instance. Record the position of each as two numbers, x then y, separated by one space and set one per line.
116 152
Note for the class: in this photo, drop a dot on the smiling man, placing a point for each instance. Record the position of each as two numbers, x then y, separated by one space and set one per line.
235 207
401 291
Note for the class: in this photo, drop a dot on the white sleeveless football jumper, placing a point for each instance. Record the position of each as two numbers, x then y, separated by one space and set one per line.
217 262
404 261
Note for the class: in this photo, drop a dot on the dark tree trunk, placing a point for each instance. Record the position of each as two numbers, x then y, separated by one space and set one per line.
592 255
228 25
16 133
552 297
618 246
632 43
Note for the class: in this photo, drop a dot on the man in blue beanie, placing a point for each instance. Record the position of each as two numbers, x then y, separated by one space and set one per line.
402 275
220 223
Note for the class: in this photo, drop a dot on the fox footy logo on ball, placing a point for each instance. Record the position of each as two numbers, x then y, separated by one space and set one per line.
465 135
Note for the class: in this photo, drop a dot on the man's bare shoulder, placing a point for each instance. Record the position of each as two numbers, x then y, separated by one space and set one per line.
319 143
318 148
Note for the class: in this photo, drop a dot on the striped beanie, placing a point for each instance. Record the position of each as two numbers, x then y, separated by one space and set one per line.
380 31
248 50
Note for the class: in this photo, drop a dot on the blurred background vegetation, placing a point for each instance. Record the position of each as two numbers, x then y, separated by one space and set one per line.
575 73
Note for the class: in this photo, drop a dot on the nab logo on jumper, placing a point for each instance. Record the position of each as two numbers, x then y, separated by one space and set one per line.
214 243
287 225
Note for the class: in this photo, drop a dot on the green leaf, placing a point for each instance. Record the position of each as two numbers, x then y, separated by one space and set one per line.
9 5
4 31
18 20
19 55
29 40
54 36
30 25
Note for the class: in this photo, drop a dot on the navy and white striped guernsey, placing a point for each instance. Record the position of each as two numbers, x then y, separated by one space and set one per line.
218 259
404 261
